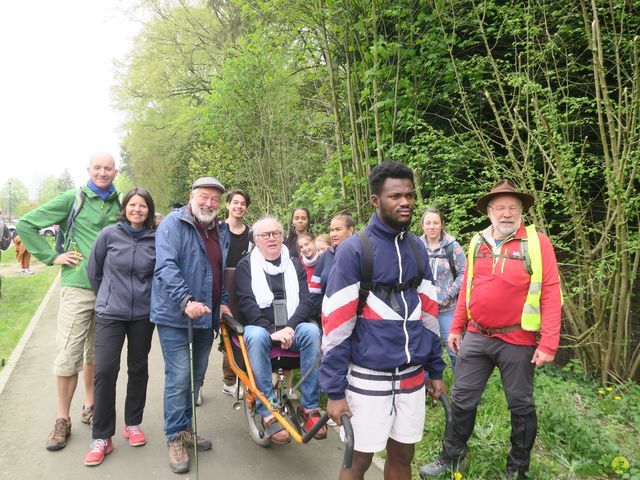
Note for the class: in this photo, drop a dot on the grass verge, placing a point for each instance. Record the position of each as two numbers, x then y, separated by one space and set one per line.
584 431
21 296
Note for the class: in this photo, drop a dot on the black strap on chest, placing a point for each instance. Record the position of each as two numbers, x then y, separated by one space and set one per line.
448 254
523 256
366 283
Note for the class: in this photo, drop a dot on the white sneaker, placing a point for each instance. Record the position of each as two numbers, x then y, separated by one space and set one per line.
26 271
231 390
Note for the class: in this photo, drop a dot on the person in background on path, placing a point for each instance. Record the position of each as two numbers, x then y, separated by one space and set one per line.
448 262
22 256
511 309
98 207
323 242
239 246
5 241
342 227
273 298
191 251
375 357
308 254
300 223
120 269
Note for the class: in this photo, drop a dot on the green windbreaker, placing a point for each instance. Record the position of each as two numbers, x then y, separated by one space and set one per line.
93 217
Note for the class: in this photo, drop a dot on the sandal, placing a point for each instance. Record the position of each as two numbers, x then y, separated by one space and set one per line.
274 431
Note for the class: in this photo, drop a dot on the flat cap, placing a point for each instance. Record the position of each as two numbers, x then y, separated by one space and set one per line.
207 182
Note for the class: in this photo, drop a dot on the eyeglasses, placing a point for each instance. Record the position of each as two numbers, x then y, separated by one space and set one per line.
502 209
266 235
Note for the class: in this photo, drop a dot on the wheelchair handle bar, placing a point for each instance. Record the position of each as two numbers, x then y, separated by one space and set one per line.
348 433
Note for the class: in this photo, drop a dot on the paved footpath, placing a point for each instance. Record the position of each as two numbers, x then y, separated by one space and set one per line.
28 406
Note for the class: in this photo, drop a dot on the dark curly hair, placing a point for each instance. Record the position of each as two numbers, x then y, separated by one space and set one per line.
387 169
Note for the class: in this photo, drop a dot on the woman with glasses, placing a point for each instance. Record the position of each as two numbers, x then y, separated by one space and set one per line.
448 263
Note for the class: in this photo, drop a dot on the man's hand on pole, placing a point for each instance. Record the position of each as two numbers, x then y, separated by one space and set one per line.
335 409
435 388
196 309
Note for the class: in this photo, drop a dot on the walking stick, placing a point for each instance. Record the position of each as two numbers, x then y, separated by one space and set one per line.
194 423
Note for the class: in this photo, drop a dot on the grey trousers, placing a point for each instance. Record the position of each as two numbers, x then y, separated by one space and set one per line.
477 358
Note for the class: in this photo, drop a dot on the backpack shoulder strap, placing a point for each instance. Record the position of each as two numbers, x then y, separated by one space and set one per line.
63 238
524 251
452 263
367 270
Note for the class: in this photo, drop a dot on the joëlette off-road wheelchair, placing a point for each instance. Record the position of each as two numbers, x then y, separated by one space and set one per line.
285 408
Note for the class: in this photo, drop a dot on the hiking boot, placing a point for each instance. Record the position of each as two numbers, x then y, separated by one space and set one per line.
87 415
203 443
442 465
58 437
99 448
135 435
311 417
274 431
178 455
511 474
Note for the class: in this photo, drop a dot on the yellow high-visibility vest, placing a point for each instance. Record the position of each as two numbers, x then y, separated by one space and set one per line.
530 320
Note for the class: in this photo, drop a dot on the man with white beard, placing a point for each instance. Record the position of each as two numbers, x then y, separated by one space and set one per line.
191 250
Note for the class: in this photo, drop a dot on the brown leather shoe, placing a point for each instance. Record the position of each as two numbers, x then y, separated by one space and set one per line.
57 439
203 443
178 455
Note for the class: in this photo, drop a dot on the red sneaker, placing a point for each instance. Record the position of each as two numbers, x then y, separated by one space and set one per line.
311 418
135 435
99 448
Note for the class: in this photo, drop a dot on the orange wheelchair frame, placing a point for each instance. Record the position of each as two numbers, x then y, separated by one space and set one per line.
285 410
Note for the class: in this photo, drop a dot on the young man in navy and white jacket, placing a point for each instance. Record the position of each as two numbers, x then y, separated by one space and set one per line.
373 363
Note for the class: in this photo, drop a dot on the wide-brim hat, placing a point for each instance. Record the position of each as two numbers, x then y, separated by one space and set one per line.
207 182
504 187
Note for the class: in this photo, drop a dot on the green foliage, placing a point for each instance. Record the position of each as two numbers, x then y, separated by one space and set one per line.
580 431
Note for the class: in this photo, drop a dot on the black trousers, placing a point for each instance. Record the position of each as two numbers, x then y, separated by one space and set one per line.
110 335
477 358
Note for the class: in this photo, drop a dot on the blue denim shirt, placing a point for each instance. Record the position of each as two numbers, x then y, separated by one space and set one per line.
183 271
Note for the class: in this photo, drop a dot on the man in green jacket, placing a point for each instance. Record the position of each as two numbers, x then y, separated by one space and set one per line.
97 206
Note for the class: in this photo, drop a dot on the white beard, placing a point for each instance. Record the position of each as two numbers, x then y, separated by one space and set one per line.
204 217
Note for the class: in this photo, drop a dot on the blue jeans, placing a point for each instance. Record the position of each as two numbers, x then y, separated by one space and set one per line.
177 377
306 341
444 320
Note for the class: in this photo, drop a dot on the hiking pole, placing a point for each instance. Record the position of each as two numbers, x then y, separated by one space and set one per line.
194 423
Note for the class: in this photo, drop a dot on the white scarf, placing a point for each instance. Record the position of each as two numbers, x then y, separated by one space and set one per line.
260 268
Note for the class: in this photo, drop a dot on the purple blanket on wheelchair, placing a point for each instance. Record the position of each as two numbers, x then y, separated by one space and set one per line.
276 351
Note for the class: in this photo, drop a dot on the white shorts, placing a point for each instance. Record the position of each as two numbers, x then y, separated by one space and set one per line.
385 405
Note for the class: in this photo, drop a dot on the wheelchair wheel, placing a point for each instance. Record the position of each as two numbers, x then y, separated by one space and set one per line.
254 420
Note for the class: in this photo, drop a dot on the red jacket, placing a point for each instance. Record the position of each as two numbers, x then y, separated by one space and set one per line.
500 289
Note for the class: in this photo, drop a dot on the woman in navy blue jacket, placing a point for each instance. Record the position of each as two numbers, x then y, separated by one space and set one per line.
120 270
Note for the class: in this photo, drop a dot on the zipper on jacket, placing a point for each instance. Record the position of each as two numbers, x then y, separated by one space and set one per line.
133 256
404 301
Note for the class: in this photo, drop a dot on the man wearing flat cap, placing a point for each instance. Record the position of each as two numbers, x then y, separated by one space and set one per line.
510 305
191 250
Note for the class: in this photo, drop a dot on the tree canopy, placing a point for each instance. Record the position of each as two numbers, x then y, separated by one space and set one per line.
296 101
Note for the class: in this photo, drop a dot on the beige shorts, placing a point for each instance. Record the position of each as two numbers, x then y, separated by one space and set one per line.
385 405
75 343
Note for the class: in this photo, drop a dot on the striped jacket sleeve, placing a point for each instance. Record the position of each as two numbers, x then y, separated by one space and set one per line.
339 318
